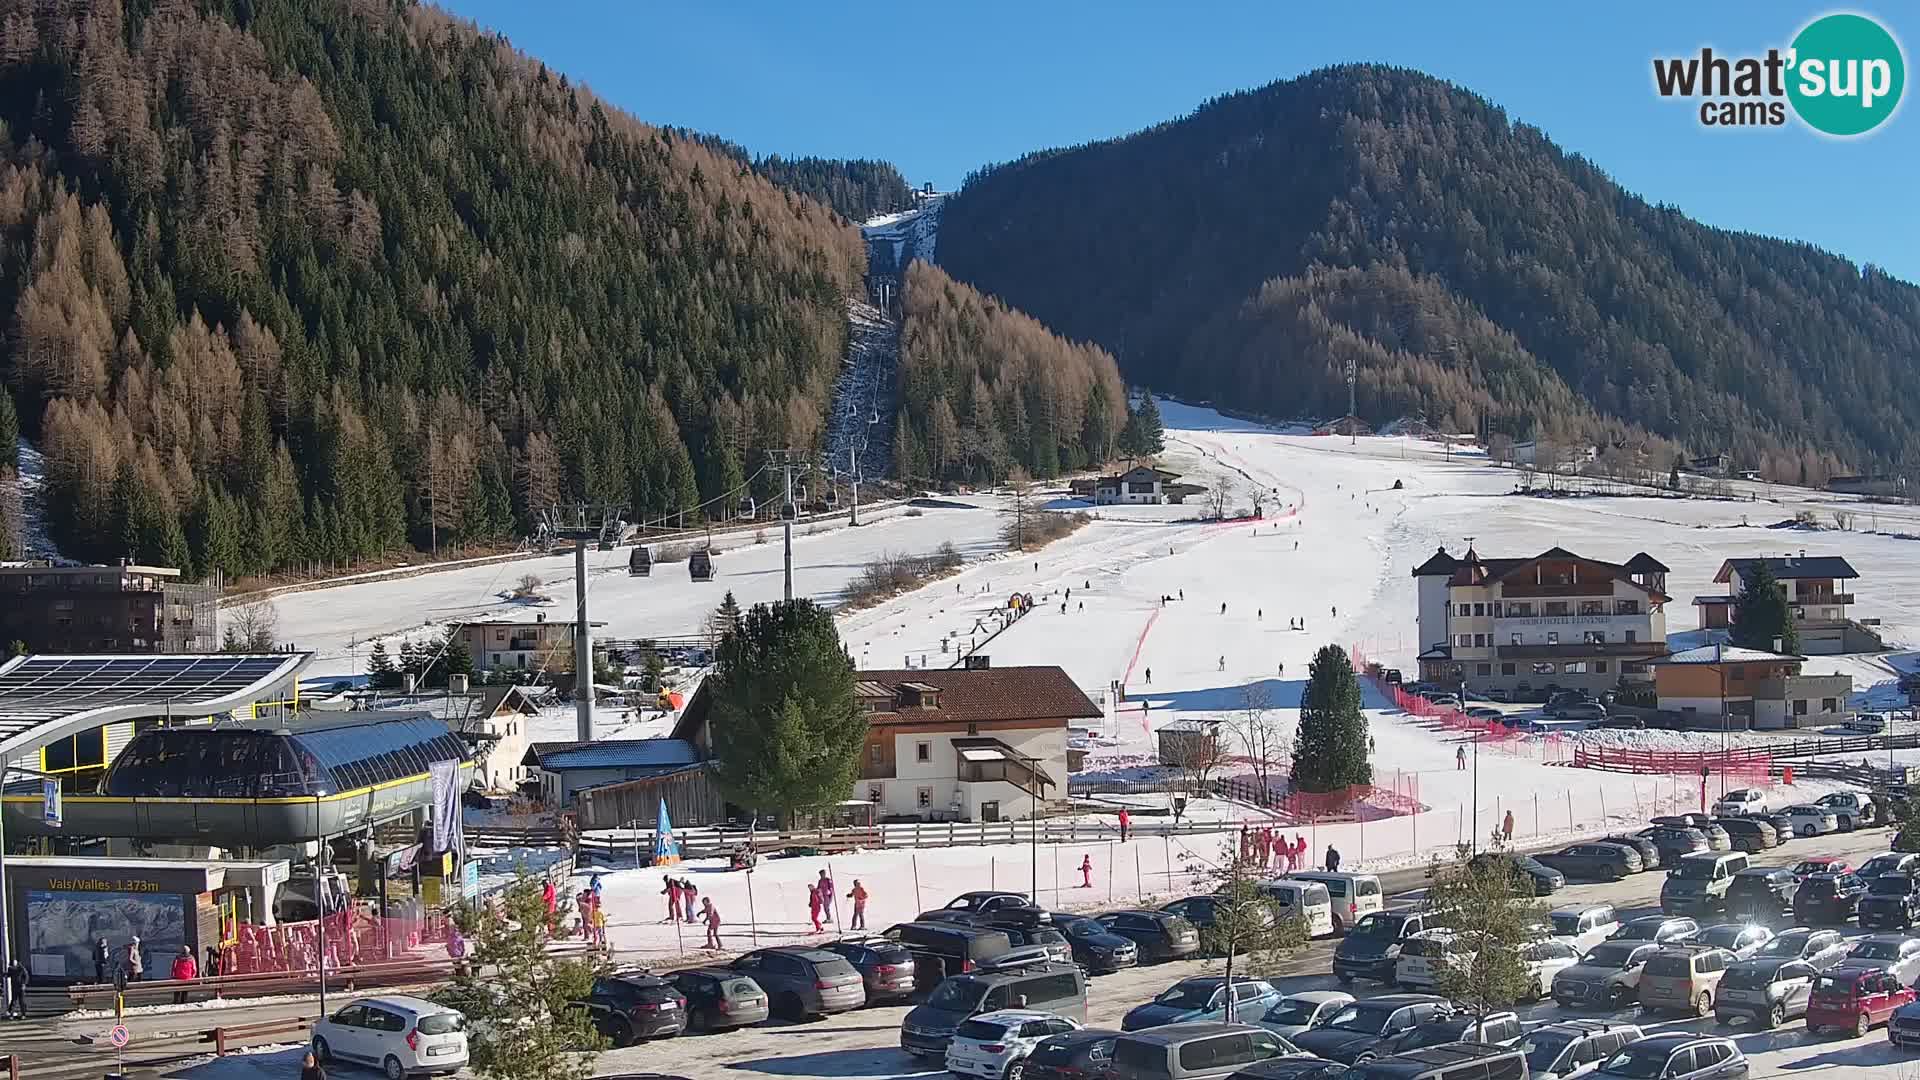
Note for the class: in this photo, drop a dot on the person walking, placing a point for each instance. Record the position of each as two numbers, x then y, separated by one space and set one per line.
184 970
1126 824
599 927
712 916
1333 859
1459 758
826 896
858 895
813 906
1149 676
688 893
310 1068
100 954
1506 828
672 893
1086 871
1223 662
1300 850
16 973
136 962
1283 851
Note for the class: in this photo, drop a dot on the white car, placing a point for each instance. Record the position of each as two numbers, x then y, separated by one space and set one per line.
995 1045
1545 959
1744 802
1582 926
1852 808
401 1036
1812 820
1422 956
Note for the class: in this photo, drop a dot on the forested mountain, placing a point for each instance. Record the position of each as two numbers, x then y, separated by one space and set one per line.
856 188
983 388
1476 273
309 280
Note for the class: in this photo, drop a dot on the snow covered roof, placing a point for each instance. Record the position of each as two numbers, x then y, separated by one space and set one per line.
1790 566
1439 564
1724 654
611 754
46 698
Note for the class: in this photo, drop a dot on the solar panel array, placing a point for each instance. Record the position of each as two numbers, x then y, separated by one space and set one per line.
43 688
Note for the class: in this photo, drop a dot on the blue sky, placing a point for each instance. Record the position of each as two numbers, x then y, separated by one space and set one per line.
939 89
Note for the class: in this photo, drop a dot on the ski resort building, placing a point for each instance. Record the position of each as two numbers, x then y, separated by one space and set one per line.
519 643
1138 485
1555 619
107 609
1819 607
1751 688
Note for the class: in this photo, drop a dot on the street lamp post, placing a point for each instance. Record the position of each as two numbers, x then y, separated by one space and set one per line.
1473 830
6 942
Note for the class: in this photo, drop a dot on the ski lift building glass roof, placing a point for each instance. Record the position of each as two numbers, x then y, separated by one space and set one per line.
46 698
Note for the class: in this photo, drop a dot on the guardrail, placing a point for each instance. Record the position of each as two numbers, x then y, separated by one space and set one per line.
619 845
220 1036
342 978
1614 759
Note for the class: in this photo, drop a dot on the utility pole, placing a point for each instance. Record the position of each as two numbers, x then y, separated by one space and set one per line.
787 461
579 526
1352 371
853 462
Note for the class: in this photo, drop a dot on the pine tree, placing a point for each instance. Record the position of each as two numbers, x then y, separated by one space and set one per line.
1673 476
9 432
380 670
410 660
1765 621
787 733
1151 436
1487 900
1330 747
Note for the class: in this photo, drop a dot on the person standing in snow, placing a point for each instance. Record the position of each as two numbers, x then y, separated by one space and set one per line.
826 896
1126 824
1506 828
599 927
813 906
1300 847
1149 676
1459 758
688 892
1333 859
859 898
672 893
136 961
1223 663
1086 871
712 916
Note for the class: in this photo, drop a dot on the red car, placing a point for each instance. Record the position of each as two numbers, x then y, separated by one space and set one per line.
1855 999
1821 864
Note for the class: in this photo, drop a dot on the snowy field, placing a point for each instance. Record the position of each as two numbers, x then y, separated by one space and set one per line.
1335 550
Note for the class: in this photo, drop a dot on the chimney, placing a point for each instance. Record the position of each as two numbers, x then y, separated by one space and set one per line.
407 680
979 662
456 684
539 616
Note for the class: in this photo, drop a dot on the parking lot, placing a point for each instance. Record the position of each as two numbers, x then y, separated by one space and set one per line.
865 1042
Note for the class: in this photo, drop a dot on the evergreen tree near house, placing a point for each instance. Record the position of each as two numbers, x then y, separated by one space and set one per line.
381 673
1765 616
1488 901
1673 475
455 658
1330 744
787 733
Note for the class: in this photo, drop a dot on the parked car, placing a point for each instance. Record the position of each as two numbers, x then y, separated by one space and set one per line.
1889 952
1622 722
1762 894
1307 1009
1765 990
1903 1030
1583 926
1082 1054
399 1035
1204 913
628 1008
1195 1051
996 1044
1821 948
1892 902
1659 929
1486 712
1447 1061
1423 957
1865 724
1821 864
1676 841
1573 1048
983 900
1304 1067
1827 899
1749 834
1444 701
1683 978
1054 989
1353 896
1677 1056
718 998
1853 809
1608 976
1544 879
1741 801
1095 947
1357 1032
1649 851
886 966
1855 999
1545 960
1047 937
1204 997
1158 935
1743 940
1372 948
1808 820
1308 901
1581 710
941 949
1699 883
1494 1029
1717 838
802 982
1594 861
1888 862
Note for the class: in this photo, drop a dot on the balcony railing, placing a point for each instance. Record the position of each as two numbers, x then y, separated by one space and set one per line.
1581 588
1575 650
1823 598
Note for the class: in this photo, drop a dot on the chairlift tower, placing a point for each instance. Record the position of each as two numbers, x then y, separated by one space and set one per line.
1352 424
584 525
787 461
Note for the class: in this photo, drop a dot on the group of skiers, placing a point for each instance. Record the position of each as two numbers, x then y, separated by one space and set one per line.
1268 843
820 897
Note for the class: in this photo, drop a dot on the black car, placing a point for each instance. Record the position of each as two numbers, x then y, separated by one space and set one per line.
1291 1068
1762 894
984 901
1356 1034
1649 851
719 998
1659 929
1676 841
1095 947
1372 948
1892 902
1159 935
1891 862
626 1008
1595 861
1749 834
1544 879
1073 1055
886 966
943 949
1203 912
1828 899
1046 937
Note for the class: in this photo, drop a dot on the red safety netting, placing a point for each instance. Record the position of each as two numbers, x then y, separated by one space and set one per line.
353 938
1744 762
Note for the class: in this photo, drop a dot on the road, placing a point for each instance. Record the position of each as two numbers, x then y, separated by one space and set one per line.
865 1043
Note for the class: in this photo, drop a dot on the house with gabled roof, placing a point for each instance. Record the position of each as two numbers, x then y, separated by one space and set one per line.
1814 593
1553 620
1140 484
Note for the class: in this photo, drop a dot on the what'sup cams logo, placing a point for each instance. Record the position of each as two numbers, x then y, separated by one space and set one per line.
1842 76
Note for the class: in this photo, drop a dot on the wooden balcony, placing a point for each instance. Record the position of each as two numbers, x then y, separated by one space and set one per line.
1577 650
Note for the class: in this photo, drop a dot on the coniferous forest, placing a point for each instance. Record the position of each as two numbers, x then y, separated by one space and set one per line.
304 279
1479 276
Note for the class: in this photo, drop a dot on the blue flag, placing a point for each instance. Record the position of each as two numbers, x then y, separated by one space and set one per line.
666 847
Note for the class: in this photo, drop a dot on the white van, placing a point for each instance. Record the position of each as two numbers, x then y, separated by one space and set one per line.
1306 900
1423 956
1354 896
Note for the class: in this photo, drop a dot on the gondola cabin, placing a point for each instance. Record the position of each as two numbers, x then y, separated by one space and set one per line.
700 565
640 563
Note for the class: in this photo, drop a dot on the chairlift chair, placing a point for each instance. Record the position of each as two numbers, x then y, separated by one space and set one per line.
640 563
700 565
